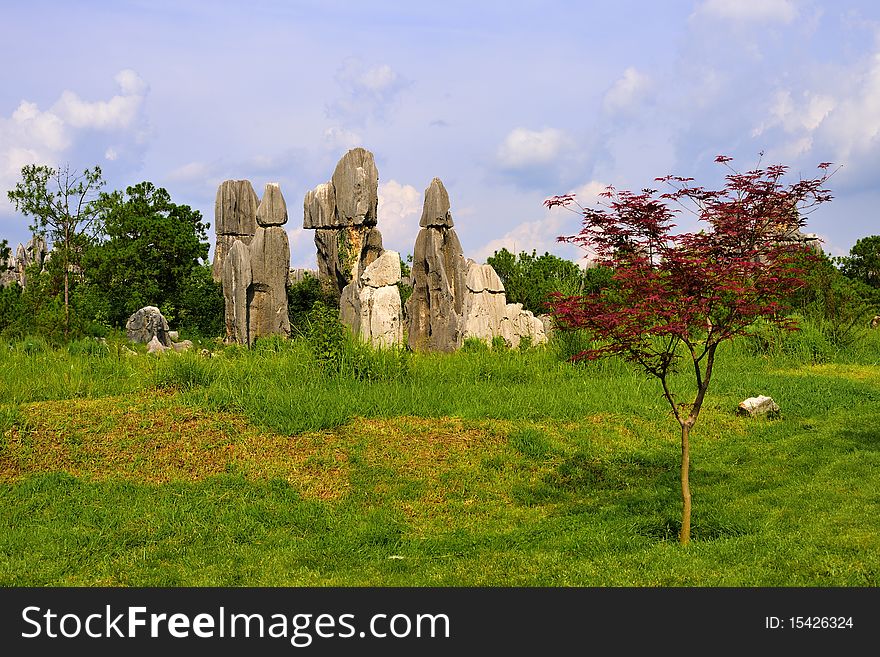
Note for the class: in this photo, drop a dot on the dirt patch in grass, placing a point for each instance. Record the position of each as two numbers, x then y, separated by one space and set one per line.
157 440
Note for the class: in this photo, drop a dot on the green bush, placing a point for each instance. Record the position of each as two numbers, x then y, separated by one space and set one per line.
200 304
301 297
339 354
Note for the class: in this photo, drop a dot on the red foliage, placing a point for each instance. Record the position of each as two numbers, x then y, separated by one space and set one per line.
695 289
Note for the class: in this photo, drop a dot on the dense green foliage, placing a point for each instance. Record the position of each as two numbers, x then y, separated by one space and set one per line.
863 262
147 253
529 279
301 296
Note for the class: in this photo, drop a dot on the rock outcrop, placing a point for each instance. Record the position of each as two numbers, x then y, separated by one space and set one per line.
236 280
488 315
343 214
254 274
434 311
370 306
235 219
148 324
13 268
270 263
485 303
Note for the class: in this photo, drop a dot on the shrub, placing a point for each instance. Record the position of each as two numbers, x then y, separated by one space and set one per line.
338 353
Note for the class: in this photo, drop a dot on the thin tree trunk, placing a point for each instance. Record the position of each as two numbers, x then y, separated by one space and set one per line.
685 536
66 306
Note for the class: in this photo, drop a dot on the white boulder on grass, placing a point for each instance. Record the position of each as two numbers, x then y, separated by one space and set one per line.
758 406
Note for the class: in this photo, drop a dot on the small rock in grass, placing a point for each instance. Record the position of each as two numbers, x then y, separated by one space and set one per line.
156 347
758 406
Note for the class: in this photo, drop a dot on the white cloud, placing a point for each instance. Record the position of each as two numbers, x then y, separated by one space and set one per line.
34 136
539 235
400 207
854 125
340 139
302 248
368 93
748 11
627 91
524 148
117 113
805 116
590 193
191 172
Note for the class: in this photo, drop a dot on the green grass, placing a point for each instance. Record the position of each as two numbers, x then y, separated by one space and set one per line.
483 468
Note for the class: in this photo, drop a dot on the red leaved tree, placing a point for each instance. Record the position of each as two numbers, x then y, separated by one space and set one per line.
675 297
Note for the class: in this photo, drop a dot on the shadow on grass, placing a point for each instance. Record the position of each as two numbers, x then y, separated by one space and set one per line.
641 491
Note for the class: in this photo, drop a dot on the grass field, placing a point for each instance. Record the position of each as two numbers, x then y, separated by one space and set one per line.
256 468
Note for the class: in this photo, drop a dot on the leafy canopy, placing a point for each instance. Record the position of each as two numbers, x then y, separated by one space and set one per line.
530 279
676 295
149 250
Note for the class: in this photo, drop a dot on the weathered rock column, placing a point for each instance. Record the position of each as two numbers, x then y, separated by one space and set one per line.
485 303
235 219
254 271
236 281
434 310
370 306
270 264
342 212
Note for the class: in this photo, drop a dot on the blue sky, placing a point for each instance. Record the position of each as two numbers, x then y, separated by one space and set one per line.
507 102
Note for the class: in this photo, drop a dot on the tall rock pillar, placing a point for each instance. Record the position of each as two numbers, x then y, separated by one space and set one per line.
435 309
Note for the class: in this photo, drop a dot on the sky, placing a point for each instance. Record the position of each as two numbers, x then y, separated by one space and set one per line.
507 103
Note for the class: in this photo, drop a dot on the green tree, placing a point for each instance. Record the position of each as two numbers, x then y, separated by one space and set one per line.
530 279
64 206
148 251
863 262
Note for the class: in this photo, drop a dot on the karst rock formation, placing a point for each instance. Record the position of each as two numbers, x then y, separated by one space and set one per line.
253 268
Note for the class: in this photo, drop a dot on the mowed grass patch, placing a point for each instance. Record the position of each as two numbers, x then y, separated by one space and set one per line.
478 469
155 439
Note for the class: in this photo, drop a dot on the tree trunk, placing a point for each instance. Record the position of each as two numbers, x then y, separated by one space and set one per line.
66 306
685 536
66 282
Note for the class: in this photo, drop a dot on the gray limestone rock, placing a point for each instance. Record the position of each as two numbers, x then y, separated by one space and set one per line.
488 315
370 248
235 208
370 306
147 324
356 184
383 271
272 210
255 269
343 214
156 347
485 303
267 294
13 269
435 211
434 310
235 219
518 323
319 207
236 281
186 345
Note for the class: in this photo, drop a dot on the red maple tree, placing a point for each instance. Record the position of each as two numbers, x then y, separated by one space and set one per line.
676 297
